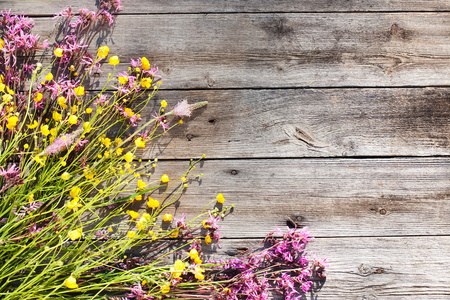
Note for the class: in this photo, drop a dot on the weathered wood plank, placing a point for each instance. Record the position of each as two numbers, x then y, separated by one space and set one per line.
334 197
377 268
286 50
308 122
46 7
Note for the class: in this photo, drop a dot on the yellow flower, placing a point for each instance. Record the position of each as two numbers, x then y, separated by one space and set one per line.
165 178
163 103
167 217
38 97
62 102
75 191
6 98
11 92
34 125
165 288
39 160
152 203
31 198
54 132
141 185
138 198
87 126
73 119
122 79
128 157
88 110
131 234
73 204
193 254
198 273
2 43
65 176
44 129
145 63
106 142
12 122
141 223
114 60
220 198
57 116
75 234
207 239
49 76
106 154
174 234
103 51
71 282
79 90
178 268
139 142
133 214
117 141
58 52
110 229
146 83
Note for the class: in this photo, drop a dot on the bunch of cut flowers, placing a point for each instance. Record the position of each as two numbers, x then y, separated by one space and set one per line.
69 172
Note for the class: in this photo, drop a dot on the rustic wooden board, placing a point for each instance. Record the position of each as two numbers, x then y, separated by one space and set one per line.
46 7
308 123
285 50
377 268
334 197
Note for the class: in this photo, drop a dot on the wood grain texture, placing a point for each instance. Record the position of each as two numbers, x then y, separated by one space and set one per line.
308 123
46 7
334 197
285 50
376 268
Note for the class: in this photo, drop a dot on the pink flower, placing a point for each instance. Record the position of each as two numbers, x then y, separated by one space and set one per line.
183 109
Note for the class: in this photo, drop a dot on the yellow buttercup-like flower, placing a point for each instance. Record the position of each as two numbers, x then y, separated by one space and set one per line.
131 234
139 142
38 97
167 217
73 204
141 185
128 157
220 198
106 142
165 178
178 268
207 239
152 203
2 43
49 76
65 176
57 116
71 282
114 60
79 90
145 63
44 130
58 52
165 288
122 80
103 51
12 122
62 102
75 234
163 103
34 125
75 191
133 214
73 120
146 83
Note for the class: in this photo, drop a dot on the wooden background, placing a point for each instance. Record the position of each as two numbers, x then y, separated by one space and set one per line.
333 114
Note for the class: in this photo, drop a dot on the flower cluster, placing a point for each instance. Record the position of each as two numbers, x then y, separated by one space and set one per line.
76 201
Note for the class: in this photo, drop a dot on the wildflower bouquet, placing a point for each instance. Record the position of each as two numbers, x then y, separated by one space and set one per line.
69 172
